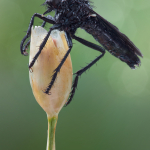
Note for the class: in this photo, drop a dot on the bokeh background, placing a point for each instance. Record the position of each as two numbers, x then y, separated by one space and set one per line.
111 108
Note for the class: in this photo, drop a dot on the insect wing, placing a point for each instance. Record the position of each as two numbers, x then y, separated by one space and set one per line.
112 39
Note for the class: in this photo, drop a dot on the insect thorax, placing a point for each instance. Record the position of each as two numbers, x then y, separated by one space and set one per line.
72 14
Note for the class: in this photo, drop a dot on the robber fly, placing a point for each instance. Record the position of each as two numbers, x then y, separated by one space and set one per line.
73 14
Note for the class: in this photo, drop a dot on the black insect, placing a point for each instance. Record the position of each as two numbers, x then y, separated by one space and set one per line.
73 14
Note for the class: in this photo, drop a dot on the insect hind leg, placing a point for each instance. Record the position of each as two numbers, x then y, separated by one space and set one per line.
79 73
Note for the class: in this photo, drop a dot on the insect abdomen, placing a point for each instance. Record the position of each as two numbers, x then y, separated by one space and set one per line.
113 40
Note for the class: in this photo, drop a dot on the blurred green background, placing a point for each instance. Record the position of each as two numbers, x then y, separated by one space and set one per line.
111 108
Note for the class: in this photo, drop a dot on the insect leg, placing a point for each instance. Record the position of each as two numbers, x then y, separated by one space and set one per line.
46 19
69 42
79 73
89 44
28 43
56 26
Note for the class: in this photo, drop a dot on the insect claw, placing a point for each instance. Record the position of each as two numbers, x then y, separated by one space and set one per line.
31 70
25 53
48 93
74 73
45 91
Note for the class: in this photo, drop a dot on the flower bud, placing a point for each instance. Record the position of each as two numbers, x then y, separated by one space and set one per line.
43 69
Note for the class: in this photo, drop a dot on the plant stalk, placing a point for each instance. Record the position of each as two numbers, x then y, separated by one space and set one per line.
51 133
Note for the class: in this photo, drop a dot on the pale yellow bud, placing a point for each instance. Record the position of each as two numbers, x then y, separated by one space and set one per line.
40 76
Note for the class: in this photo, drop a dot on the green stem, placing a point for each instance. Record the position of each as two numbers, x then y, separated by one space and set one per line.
51 133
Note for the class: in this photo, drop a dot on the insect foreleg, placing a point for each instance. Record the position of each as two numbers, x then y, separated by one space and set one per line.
46 19
79 73
69 42
28 43
56 26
